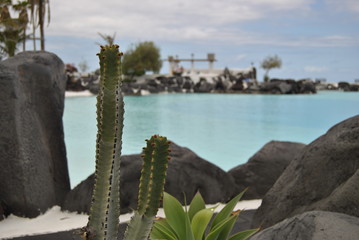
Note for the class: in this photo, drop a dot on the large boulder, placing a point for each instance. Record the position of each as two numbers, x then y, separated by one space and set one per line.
263 168
324 176
276 87
33 173
314 225
203 86
187 173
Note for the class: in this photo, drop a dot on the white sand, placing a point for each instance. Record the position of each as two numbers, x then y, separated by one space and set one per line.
55 220
85 93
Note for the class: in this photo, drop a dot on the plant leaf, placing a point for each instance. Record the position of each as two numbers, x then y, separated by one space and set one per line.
226 211
162 230
189 232
227 228
196 205
200 222
214 233
175 215
244 234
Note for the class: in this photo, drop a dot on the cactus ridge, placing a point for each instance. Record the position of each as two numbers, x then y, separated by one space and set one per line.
153 174
105 209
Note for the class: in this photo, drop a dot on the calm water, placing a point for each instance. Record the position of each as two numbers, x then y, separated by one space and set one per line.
223 129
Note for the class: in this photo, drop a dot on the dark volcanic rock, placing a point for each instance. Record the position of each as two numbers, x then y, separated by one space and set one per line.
33 173
314 225
324 176
263 168
276 87
187 173
203 86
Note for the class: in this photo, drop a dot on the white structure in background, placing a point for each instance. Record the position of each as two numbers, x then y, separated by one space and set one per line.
208 73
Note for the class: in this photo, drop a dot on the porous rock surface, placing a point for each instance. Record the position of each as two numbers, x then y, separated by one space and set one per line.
264 167
313 225
324 176
187 173
33 172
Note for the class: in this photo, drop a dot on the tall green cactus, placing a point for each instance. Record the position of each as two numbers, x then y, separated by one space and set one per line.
105 210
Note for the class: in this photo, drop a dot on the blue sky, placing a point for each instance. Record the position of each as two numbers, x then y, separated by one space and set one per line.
314 38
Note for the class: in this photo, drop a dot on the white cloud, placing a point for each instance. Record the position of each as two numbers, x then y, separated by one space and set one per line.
315 69
241 57
160 18
183 20
344 5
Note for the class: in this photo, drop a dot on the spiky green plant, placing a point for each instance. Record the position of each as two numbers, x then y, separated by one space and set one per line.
105 210
195 223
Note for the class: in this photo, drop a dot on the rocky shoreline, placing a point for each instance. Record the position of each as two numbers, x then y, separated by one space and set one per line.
314 185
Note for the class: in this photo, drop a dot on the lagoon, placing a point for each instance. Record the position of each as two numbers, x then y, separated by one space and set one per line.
225 129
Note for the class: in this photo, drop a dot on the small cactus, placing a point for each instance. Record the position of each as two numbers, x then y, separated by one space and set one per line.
153 174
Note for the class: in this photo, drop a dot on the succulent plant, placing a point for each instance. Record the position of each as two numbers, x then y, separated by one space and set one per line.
103 221
198 222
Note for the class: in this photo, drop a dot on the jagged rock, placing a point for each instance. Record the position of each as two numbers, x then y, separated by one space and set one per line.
203 86
33 173
314 225
324 176
187 173
263 168
307 87
276 87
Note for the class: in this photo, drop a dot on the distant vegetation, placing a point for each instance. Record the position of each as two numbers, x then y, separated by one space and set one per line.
143 57
269 63
13 29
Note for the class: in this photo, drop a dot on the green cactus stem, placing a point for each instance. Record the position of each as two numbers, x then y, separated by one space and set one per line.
104 214
153 175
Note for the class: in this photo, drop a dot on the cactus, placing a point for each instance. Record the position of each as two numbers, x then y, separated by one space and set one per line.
151 187
105 210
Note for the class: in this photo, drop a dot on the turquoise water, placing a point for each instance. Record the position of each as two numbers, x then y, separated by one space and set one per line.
223 129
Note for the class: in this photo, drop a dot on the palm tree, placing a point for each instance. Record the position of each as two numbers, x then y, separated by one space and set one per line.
23 19
38 9
12 29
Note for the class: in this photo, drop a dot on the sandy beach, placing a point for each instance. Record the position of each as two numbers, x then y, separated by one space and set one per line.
55 220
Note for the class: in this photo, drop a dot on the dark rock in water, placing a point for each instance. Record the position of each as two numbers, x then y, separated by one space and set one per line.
238 86
324 176
203 86
347 87
315 225
263 168
33 173
187 173
307 87
188 84
276 87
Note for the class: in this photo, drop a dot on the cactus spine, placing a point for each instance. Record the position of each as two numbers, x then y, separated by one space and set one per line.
155 162
105 209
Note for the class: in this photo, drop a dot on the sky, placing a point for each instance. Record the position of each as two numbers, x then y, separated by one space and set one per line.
314 38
